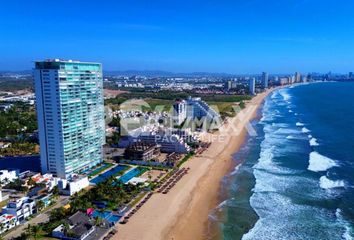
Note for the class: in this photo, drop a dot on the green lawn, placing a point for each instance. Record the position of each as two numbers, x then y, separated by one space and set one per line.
99 170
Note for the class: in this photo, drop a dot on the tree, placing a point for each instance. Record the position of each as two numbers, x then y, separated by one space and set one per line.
98 221
55 191
31 182
28 230
40 205
57 214
35 230
2 227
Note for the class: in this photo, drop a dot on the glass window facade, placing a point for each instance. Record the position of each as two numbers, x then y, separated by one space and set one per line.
71 108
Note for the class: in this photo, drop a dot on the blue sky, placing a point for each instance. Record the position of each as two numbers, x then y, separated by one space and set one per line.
248 36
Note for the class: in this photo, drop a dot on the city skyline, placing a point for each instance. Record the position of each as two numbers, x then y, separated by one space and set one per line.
236 37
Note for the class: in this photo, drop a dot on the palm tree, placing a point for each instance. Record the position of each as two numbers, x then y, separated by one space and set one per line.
35 231
55 191
28 230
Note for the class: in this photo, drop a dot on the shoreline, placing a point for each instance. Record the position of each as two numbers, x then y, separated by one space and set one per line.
183 213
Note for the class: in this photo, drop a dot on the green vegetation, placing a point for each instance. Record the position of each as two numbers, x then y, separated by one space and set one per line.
16 185
111 192
185 159
171 96
9 84
16 124
20 119
100 169
20 148
224 103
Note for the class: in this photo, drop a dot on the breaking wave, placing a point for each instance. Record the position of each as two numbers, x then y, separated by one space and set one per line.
320 163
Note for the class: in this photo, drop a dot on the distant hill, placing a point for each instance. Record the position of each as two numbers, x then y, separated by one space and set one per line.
147 73
22 72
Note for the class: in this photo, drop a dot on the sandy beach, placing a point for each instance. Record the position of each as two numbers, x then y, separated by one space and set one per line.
183 212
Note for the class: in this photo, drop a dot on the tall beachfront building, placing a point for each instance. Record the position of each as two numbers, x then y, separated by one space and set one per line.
252 86
265 79
70 112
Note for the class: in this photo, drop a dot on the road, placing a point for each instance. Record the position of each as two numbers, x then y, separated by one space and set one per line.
40 218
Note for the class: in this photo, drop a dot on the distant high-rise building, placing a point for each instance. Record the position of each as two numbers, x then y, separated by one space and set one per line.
252 86
297 77
351 76
265 79
70 111
229 84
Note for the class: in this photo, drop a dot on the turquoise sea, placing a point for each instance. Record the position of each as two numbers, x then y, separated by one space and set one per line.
296 177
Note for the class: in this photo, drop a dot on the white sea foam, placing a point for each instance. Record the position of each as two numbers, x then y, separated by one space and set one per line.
310 136
235 170
327 183
299 124
305 130
290 111
222 204
319 163
284 93
347 234
295 114
313 142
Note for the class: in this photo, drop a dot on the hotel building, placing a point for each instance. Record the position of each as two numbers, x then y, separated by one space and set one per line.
70 112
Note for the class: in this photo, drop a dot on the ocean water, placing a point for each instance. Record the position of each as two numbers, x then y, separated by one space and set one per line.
296 178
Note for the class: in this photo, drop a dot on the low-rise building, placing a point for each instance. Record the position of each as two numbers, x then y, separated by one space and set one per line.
73 185
47 179
7 221
167 141
80 227
21 208
141 151
7 176
4 145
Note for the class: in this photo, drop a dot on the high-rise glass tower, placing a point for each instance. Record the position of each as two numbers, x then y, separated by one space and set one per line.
70 112
265 79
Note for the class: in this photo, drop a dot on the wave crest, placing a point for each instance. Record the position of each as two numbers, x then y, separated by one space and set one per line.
327 183
313 142
320 163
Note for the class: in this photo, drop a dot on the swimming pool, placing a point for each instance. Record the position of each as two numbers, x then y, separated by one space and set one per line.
130 174
108 174
109 216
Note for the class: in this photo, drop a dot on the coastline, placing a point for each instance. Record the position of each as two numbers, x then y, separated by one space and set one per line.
183 213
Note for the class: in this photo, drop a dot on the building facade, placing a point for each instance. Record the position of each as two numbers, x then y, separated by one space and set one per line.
179 112
252 86
197 108
21 208
265 79
70 112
